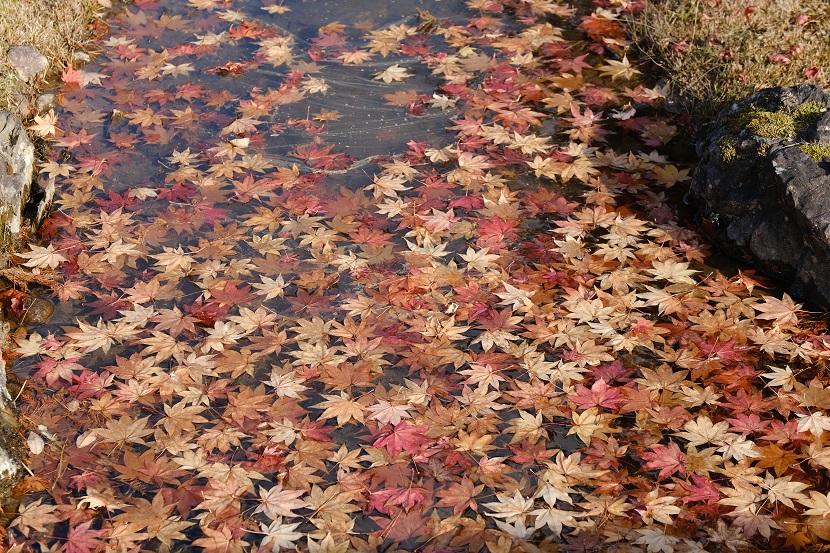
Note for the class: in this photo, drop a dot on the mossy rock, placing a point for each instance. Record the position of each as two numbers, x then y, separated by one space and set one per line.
762 186
816 150
765 125
770 124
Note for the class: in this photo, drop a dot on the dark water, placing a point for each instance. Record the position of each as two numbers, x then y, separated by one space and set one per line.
352 115
180 115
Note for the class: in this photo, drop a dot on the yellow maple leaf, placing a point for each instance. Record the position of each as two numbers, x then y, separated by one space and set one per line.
45 125
393 73
618 69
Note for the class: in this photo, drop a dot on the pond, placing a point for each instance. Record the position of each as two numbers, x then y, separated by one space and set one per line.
373 276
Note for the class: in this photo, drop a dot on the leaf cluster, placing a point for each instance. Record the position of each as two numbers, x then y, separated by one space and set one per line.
503 340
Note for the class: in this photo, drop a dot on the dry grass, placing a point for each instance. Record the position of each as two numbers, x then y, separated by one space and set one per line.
715 51
57 28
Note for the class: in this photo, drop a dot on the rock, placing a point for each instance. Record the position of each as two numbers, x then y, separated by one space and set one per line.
27 61
45 102
20 104
763 183
17 156
37 311
81 56
11 444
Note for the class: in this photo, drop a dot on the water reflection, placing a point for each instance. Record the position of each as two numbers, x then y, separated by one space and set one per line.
358 115
229 230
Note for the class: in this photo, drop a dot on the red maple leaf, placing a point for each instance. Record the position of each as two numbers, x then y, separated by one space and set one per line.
189 91
314 303
468 203
403 437
600 28
52 370
321 158
526 453
90 384
382 500
496 226
250 188
316 430
231 294
701 490
74 140
209 212
329 40
81 539
454 88
545 201
669 459
614 372
108 305
179 192
93 164
575 65
600 395
71 76
206 313
116 201
230 68
247 29
371 236
723 351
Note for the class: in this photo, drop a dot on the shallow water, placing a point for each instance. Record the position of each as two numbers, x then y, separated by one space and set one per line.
353 116
283 244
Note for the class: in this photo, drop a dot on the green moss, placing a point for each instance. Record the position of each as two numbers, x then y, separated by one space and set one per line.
769 124
807 114
772 124
777 124
740 120
728 148
816 150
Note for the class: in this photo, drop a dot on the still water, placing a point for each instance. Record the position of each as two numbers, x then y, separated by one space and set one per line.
286 251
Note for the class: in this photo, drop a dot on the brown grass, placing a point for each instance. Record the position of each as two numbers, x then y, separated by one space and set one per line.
57 28
716 51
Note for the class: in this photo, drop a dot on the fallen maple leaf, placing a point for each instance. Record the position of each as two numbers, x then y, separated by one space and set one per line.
82 539
278 502
780 312
403 437
512 508
459 496
40 257
383 500
701 489
818 503
124 430
618 69
387 413
393 73
279 536
34 516
668 459
222 540
44 125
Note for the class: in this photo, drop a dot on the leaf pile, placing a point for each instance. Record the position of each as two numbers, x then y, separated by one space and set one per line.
496 343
